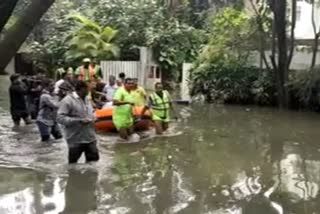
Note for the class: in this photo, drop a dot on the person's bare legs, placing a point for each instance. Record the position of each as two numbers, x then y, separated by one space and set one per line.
130 130
165 126
123 132
158 127
126 132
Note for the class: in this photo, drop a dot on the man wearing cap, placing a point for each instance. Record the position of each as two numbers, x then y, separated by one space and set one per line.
66 76
85 72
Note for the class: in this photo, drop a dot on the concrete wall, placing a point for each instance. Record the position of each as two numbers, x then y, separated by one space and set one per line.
301 59
304 29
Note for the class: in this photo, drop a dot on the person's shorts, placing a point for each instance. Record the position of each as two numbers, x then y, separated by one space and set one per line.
18 115
90 151
46 131
121 122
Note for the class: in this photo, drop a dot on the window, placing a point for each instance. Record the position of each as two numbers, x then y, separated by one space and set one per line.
158 73
151 72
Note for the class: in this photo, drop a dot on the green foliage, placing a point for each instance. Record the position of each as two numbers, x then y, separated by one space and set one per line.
132 19
232 82
90 40
139 23
174 44
45 46
222 72
304 89
149 23
230 33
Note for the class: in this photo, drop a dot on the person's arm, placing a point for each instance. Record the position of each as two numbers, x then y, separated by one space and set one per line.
38 88
64 117
118 99
146 107
120 103
50 101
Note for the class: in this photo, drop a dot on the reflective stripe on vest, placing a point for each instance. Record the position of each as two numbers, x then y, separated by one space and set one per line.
158 103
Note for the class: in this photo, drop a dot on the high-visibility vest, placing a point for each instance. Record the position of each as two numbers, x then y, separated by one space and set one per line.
82 75
160 106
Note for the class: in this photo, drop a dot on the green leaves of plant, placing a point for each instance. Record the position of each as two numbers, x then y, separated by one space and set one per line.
90 39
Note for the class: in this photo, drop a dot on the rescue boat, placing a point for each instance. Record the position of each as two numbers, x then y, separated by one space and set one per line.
104 119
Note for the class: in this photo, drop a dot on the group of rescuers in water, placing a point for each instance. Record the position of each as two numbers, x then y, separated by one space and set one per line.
69 104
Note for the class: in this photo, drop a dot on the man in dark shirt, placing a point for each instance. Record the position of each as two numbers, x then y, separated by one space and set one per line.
18 106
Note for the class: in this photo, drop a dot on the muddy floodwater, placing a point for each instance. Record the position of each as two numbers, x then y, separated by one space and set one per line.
216 159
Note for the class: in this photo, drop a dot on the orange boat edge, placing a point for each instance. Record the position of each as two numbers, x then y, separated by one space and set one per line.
104 120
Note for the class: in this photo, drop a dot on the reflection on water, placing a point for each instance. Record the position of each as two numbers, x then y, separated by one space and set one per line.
220 160
81 184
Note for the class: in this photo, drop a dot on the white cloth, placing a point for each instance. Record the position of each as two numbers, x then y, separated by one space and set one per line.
109 91
107 105
57 85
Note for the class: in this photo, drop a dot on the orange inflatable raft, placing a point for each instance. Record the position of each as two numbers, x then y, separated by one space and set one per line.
104 119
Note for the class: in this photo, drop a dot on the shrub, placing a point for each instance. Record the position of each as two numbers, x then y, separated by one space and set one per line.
304 89
232 82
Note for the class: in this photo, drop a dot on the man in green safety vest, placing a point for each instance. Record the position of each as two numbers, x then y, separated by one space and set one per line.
160 103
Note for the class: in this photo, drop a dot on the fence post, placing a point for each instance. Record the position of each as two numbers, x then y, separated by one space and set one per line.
185 90
143 65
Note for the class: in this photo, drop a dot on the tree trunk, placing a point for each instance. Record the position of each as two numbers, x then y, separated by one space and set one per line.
18 33
316 38
6 9
280 8
282 74
315 50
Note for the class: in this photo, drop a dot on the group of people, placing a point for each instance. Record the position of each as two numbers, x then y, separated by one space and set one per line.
69 105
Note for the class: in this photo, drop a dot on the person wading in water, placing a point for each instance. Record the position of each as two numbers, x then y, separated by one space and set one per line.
122 116
46 119
160 103
76 114
18 106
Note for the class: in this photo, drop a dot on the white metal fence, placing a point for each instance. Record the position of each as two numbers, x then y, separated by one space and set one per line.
132 69
185 84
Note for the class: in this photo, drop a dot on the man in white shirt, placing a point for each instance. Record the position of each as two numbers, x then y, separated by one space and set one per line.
110 88
66 76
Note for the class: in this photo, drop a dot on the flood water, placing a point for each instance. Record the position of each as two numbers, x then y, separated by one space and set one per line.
219 160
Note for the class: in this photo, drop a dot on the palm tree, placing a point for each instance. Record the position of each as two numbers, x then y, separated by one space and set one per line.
90 40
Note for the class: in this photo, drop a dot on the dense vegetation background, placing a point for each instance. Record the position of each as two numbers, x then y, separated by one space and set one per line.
219 37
